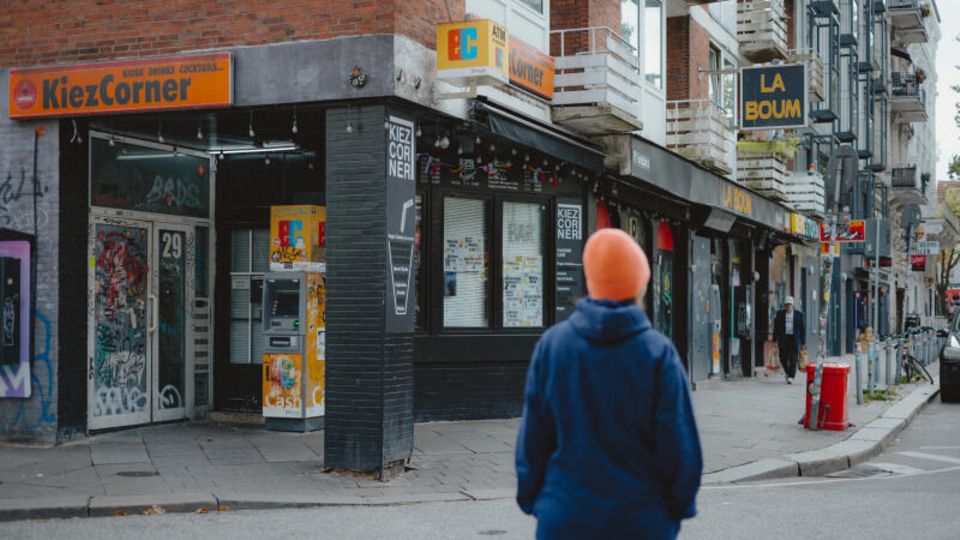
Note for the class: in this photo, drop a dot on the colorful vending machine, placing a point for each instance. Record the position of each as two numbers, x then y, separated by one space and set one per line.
294 325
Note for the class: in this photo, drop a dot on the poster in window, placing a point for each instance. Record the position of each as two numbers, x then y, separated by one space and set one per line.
522 265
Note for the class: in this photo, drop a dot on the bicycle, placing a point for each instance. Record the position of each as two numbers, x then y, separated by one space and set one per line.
912 367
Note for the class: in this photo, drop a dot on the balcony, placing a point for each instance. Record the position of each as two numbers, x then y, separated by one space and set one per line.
597 85
907 185
815 71
761 30
908 98
805 192
906 19
765 173
702 131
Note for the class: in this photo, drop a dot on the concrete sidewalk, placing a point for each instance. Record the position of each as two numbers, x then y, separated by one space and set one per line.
748 427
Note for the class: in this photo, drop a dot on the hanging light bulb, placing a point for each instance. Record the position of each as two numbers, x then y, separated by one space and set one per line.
478 139
266 160
544 163
513 151
445 142
460 150
526 158
493 148
479 160
160 132
294 129
419 133
386 124
349 127
112 142
199 133
220 155
250 131
436 142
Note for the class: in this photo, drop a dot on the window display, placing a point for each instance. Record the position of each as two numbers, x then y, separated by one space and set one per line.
465 261
522 265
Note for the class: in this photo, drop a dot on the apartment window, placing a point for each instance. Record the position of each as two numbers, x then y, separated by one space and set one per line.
653 42
249 260
536 5
723 83
630 22
715 75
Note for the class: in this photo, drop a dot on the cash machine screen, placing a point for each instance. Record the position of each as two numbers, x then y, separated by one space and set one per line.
285 304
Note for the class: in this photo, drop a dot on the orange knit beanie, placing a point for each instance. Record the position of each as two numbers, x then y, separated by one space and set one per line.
615 266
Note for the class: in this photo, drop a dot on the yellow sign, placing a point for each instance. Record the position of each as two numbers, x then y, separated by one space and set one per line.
738 200
473 50
282 385
298 237
316 362
176 82
773 96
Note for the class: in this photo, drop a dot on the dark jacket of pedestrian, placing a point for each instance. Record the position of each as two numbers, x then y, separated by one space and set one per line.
608 447
799 329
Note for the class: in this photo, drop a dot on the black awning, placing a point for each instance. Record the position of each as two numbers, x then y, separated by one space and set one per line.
548 140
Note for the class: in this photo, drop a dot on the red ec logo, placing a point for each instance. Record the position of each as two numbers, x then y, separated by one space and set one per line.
25 94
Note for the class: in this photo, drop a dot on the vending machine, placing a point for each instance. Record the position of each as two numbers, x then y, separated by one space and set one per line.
294 325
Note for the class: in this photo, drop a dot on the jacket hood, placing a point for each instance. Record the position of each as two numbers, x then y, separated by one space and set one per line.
605 321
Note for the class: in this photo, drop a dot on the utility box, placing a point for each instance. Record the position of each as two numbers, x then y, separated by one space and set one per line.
833 396
294 358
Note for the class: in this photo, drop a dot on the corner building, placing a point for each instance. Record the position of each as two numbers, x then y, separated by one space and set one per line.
143 154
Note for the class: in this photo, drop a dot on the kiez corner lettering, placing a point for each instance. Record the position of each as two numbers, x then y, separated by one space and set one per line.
60 93
773 97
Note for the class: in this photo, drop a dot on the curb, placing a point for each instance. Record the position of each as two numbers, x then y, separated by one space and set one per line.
866 443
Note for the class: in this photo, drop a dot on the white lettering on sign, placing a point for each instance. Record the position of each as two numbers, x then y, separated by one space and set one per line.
569 222
400 152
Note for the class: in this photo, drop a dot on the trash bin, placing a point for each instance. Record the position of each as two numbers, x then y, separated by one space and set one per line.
833 396
950 376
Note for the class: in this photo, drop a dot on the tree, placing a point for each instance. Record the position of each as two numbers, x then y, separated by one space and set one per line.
948 258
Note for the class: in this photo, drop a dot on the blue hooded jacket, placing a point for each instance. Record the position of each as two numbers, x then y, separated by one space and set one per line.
608 445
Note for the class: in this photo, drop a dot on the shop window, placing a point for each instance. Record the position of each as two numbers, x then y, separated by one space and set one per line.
466 288
536 5
249 260
664 301
522 251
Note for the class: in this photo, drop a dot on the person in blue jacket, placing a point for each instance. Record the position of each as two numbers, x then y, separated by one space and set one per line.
608 445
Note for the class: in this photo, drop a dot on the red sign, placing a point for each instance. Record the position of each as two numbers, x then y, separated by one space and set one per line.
918 262
884 262
531 69
855 231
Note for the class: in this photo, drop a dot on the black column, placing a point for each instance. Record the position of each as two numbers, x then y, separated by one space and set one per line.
369 414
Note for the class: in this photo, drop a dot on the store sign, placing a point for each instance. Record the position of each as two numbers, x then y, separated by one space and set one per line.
177 82
570 284
401 224
804 227
925 247
530 69
472 51
297 238
738 200
918 263
855 231
773 97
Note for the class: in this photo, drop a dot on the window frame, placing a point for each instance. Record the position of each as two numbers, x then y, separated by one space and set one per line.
432 269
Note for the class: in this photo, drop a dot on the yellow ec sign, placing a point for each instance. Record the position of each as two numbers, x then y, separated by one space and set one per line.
472 50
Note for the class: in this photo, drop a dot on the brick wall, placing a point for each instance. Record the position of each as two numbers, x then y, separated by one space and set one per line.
569 14
688 51
468 390
33 419
791 25
37 33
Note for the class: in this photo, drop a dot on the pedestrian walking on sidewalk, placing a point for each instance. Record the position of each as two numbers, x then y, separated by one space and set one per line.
789 332
608 447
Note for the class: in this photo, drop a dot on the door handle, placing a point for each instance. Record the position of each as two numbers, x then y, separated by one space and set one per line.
154 314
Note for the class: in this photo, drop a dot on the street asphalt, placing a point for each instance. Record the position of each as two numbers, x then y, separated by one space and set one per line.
912 490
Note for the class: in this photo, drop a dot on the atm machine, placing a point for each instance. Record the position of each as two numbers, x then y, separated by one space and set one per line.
295 351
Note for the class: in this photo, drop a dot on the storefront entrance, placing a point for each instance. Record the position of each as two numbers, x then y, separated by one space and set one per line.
143 274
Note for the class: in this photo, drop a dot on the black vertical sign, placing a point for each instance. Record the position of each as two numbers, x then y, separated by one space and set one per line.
570 285
401 225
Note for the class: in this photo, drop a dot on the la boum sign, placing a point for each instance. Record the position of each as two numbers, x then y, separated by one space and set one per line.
175 82
773 97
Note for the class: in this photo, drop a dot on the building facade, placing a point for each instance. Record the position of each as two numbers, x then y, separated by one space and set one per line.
143 155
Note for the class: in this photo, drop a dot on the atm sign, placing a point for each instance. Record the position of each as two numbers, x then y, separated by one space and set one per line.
773 97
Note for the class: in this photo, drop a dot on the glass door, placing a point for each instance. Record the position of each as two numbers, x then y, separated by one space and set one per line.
173 279
119 355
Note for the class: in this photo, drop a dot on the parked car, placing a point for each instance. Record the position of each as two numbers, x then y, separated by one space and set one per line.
950 363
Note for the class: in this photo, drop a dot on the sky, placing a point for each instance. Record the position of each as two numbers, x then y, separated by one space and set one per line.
948 74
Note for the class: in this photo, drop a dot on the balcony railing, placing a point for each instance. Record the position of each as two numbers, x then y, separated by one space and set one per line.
815 71
765 173
908 98
702 131
907 18
907 184
761 30
597 83
805 192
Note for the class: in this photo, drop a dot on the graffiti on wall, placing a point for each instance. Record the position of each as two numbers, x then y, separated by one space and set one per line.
14 382
119 369
14 188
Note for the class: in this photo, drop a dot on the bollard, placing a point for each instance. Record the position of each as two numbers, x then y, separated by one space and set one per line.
858 372
890 369
871 367
880 367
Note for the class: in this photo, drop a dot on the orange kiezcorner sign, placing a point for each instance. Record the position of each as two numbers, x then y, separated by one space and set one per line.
176 82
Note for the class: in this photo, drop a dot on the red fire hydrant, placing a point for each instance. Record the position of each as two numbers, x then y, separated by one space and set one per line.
833 396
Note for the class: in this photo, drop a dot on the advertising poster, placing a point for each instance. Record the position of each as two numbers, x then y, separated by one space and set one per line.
523 291
282 385
297 237
316 344
570 282
401 221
